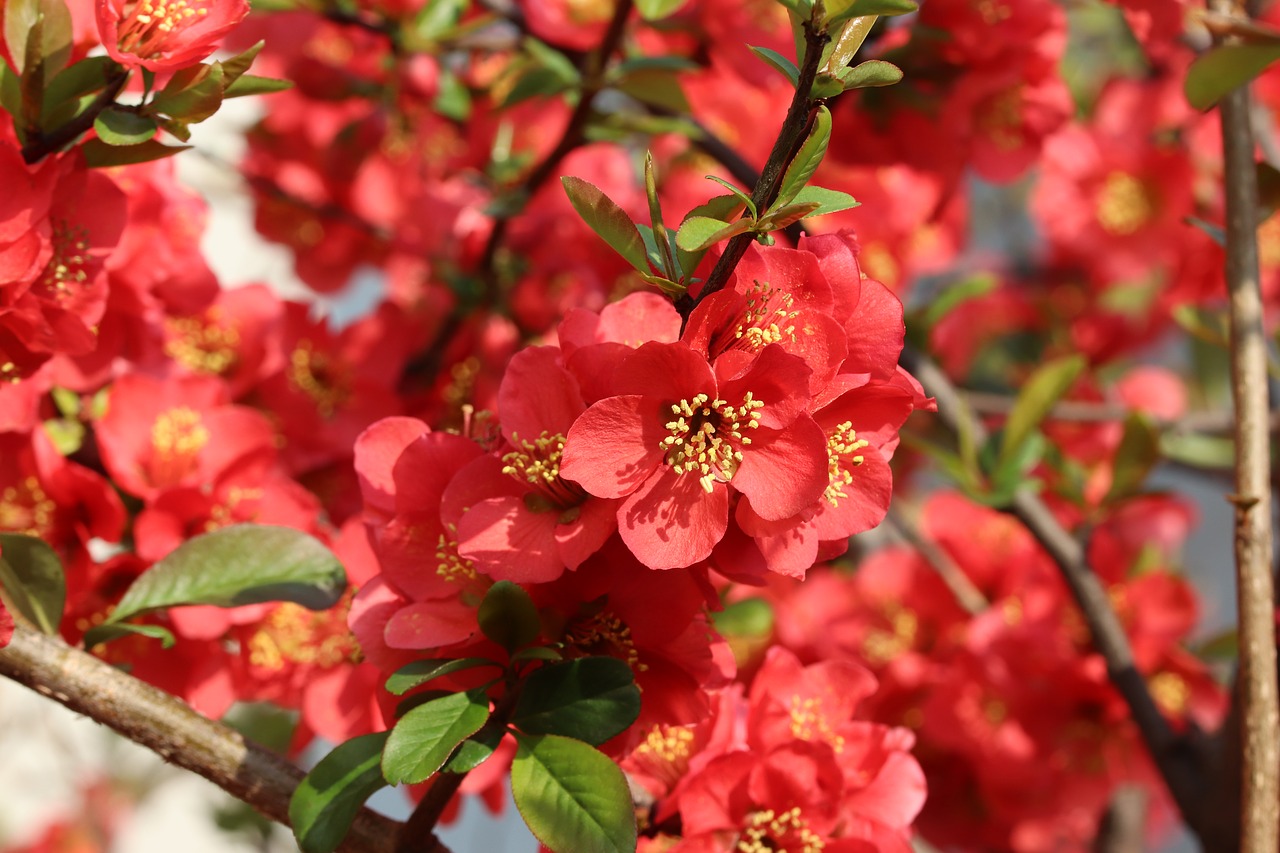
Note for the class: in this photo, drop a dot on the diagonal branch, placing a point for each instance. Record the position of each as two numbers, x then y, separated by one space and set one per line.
1181 759
170 728
1257 695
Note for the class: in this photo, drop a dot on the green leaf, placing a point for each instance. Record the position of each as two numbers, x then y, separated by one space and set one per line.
656 10
100 155
826 85
437 18
572 796
1042 390
554 61
591 699
237 66
453 101
32 576
1209 326
658 229
411 675
873 72
192 94
534 82
740 193
608 220
779 62
241 564
508 616
536 653
1215 232
330 796
1198 451
956 294
46 20
1223 646
108 632
1138 453
749 617
722 207
699 233
248 84
71 88
807 158
841 10
423 739
117 126
657 87
781 217
475 750
1224 68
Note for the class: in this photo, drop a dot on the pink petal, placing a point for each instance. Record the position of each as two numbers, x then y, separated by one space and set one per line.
876 332
866 502
614 446
670 522
784 472
508 541
377 450
537 395
430 624
579 539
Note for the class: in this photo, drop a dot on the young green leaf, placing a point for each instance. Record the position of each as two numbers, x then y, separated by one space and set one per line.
723 208
955 294
32 577
572 796
781 217
740 193
248 84
842 10
748 617
100 155
424 738
807 158
241 564
591 699
655 86
828 201
608 220
656 10
508 616
1138 453
114 631
419 672
116 126
1045 388
658 231
778 62
1224 68
330 796
192 94
873 72
699 233
475 750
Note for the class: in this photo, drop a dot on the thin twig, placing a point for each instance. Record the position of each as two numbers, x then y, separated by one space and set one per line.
1255 588
795 128
1085 412
966 593
170 728
1181 759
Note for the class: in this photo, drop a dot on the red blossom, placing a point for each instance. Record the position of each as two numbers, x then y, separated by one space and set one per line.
164 35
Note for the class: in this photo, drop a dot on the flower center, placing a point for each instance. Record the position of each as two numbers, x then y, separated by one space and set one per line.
706 437
537 462
318 377
1123 205
1171 693
778 832
767 319
881 646
453 567
204 346
605 634
67 270
149 24
25 508
808 722
842 454
293 634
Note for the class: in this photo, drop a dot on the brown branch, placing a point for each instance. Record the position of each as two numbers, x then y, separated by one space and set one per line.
1181 759
170 728
1259 698
41 145
1124 826
593 80
967 595
795 127
1085 412
417 835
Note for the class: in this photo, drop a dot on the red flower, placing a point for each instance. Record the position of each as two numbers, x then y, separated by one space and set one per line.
6 626
163 35
679 435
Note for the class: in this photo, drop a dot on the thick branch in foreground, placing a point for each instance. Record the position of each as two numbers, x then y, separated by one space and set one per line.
171 729
1180 759
1259 711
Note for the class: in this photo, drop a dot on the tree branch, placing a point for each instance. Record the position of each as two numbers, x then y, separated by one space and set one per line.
1086 412
41 145
170 728
1181 759
966 594
1255 588
795 128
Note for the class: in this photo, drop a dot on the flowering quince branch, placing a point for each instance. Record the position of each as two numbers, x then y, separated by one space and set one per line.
1183 759
791 136
967 594
1256 691
40 145
1085 412
171 729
